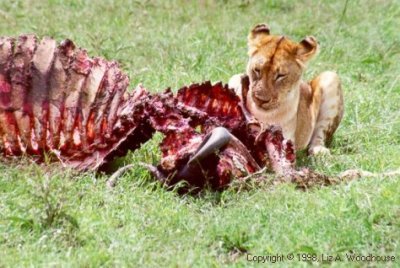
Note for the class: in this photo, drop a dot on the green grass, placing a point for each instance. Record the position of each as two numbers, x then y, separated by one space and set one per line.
50 217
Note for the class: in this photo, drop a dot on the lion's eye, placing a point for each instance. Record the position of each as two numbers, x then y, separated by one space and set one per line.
257 73
279 77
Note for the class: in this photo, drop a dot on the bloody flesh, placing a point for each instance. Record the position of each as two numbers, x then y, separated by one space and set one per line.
56 99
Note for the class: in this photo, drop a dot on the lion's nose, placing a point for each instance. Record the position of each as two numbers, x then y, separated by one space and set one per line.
263 99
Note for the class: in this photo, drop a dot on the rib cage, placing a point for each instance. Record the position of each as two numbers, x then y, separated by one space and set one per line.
55 98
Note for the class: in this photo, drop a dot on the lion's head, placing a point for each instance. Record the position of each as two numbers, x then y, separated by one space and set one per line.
275 65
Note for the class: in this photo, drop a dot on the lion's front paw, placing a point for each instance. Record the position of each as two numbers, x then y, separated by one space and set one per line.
319 150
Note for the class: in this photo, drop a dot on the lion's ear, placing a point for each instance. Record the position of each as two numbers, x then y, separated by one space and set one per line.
307 48
258 31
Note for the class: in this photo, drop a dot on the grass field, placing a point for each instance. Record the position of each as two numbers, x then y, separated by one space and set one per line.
51 217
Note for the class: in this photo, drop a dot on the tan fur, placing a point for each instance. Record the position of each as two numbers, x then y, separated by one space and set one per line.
309 113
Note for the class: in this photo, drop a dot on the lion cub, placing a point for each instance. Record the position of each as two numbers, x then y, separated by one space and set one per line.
274 92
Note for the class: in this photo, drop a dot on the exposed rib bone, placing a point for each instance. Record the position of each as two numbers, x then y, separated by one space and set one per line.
39 94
